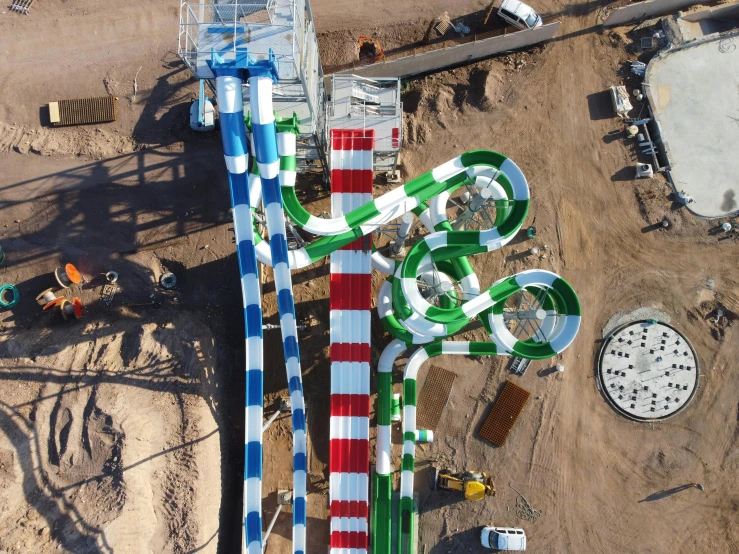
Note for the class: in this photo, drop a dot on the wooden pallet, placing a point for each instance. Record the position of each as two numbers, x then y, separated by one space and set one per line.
83 111
504 413
21 6
443 26
433 398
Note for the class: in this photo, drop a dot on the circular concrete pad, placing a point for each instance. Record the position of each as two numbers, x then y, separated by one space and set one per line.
648 371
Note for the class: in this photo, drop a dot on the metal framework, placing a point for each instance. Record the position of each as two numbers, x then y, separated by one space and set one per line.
284 28
361 103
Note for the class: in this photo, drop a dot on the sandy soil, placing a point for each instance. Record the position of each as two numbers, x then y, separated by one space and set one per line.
333 15
115 434
593 474
106 435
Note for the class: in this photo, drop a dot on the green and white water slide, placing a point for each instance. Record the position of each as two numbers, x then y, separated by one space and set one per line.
433 293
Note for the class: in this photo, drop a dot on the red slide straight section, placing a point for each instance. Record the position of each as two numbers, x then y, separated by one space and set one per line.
350 301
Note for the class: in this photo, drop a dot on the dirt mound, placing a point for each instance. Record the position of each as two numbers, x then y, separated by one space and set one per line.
443 103
106 431
338 47
83 141
490 84
342 47
439 99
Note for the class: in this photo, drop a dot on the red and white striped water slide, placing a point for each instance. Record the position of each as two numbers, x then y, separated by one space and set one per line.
350 303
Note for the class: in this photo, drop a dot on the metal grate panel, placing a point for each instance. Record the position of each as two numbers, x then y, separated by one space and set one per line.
83 111
434 397
21 6
505 412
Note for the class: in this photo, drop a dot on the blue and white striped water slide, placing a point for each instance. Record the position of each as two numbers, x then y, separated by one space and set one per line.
261 75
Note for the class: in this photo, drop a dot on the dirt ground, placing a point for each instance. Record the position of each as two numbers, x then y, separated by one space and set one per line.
115 432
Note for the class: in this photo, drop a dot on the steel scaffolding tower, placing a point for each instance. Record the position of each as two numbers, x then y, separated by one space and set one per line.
283 27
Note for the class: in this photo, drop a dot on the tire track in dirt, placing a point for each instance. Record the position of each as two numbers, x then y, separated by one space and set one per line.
90 142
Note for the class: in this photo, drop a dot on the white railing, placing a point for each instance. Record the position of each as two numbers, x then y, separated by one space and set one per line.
358 91
196 15
226 25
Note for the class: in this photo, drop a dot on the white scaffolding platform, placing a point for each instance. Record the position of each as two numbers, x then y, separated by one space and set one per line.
284 27
361 103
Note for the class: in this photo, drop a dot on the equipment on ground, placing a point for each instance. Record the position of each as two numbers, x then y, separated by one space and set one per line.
202 113
370 50
520 365
620 101
9 296
67 309
638 68
168 280
46 297
107 292
153 304
524 508
438 26
434 397
21 6
684 198
504 413
67 276
73 309
647 43
644 170
475 486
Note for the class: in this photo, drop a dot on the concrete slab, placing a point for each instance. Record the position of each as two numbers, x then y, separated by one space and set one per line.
694 94
648 371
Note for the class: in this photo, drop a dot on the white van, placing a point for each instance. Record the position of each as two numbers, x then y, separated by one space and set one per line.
519 14
503 538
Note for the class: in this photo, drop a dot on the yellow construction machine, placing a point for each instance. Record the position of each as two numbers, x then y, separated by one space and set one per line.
474 486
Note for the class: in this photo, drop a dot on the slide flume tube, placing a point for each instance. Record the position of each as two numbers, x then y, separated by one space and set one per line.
408 316
340 231
265 140
233 136
246 193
